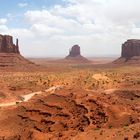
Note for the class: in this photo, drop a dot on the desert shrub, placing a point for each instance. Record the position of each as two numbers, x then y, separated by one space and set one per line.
110 126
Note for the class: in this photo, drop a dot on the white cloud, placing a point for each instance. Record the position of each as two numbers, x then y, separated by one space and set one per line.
3 21
3 27
99 26
21 5
41 29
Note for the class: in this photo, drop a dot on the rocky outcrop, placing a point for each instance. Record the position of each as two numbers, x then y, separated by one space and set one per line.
131 48
130 52
7 45
75 55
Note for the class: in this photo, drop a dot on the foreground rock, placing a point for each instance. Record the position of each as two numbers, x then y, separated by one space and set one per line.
130 52
75 55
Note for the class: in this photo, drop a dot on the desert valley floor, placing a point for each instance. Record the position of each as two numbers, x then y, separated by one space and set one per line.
62 101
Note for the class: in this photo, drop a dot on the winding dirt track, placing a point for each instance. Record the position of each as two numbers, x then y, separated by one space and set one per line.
27 97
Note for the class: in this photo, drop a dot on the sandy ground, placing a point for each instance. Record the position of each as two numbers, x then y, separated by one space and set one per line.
95 102
26 98
100 77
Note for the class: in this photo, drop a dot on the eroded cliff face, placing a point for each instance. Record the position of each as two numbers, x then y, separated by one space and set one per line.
7 45
131 48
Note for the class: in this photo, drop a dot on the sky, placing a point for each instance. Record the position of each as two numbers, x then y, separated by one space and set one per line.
49 28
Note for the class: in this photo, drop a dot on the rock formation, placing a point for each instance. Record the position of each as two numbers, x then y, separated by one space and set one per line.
10 55
131 48
7 45
75 51
130 52
75 55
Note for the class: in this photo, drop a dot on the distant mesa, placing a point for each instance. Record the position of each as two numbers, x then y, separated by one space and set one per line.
75 55
130 52
10 54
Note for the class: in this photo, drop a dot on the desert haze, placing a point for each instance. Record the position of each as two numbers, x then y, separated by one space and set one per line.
90 90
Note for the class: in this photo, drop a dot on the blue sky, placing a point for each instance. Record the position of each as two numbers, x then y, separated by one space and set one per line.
8 6
48 28
15 9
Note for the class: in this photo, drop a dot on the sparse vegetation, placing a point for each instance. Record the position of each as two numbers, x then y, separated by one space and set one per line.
107 98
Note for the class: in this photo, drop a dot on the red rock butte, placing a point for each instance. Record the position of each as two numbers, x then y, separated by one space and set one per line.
75 55
131 48
75 51
7 45
10 55
130 52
